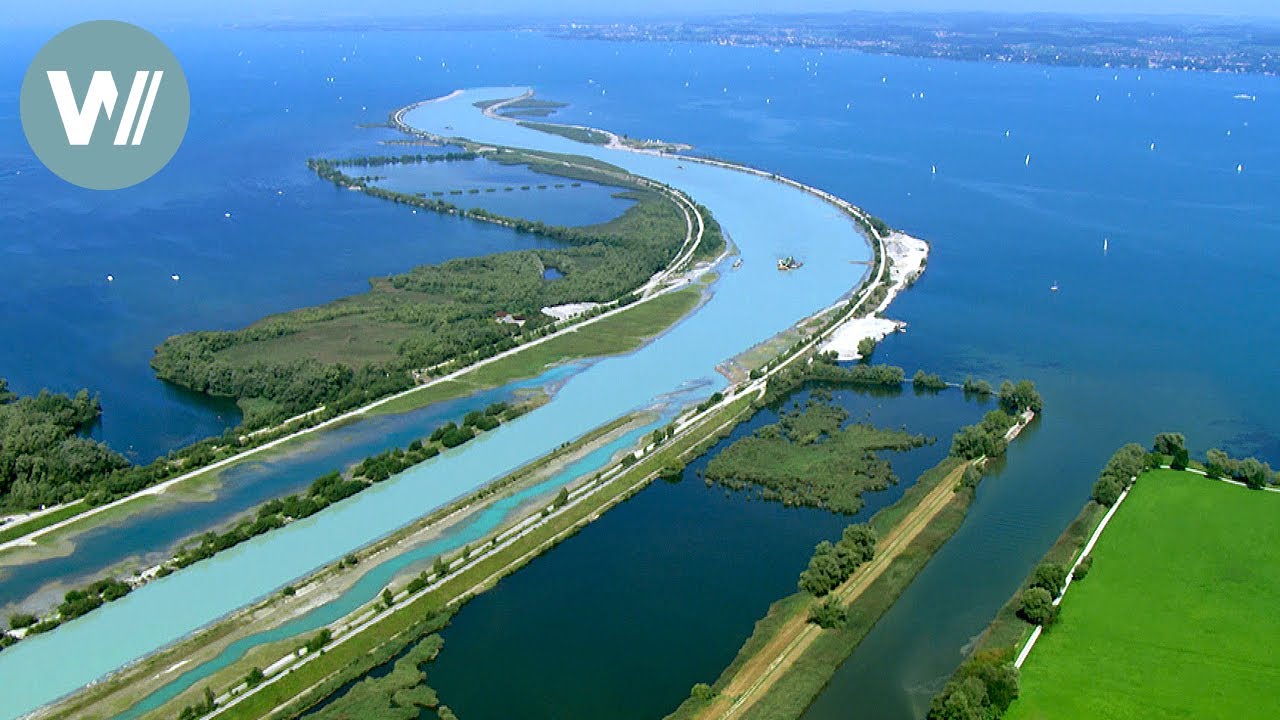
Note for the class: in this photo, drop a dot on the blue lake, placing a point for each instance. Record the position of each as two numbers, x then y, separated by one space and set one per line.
683 359
1169 329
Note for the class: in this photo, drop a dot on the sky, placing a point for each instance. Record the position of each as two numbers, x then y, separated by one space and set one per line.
67 12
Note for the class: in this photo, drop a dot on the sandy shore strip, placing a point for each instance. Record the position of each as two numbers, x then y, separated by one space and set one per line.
909 256
568 310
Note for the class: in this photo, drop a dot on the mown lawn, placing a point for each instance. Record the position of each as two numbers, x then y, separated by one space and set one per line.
1178 616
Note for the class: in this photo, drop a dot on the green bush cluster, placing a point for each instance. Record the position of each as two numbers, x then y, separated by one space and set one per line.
828 614
833 563
1119 472
1250 471
44 459
981 689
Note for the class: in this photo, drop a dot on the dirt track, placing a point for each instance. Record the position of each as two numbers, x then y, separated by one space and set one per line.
754 678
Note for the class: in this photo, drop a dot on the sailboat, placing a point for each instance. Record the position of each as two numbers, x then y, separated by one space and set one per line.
1054 286
933 169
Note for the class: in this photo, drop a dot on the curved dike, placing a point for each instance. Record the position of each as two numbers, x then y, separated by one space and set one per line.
765 219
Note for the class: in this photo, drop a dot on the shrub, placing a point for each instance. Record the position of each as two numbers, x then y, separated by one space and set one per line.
1083 568
17 621
702 692
866 346
827 614
960 700
319 640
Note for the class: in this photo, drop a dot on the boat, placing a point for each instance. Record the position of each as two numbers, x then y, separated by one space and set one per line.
1104 245
737 263
1027 162
175 277
1054 286
789 263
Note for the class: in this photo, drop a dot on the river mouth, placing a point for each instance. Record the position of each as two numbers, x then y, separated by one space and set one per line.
745 308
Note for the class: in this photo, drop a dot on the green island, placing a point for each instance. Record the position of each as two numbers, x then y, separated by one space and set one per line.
307 368
339 651
346 353
809 457
1182 539
573 132
849 583
524 107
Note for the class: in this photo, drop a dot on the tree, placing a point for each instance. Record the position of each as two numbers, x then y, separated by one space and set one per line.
972 442
1168 443
1036 606
1253 472
388 599
1180 458
1219 465
1014 398
866 346
994 668
1050 576
960 700
1106 491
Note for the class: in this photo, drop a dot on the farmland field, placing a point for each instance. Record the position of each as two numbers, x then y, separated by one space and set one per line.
1177 617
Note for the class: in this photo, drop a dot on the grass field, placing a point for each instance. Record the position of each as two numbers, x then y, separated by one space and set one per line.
17 530
620 333
1177 617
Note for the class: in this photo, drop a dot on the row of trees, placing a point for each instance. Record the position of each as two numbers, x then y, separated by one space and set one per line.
833 563
74 603
334 486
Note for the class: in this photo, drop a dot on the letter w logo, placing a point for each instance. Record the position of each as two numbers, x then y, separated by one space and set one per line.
80 121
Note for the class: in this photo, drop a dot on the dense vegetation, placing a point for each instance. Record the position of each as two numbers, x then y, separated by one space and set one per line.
982 688
74 603
44 459
579 134
833 563
348 352
401 694
809 457
334 486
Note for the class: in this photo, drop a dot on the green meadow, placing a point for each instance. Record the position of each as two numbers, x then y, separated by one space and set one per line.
1177 617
